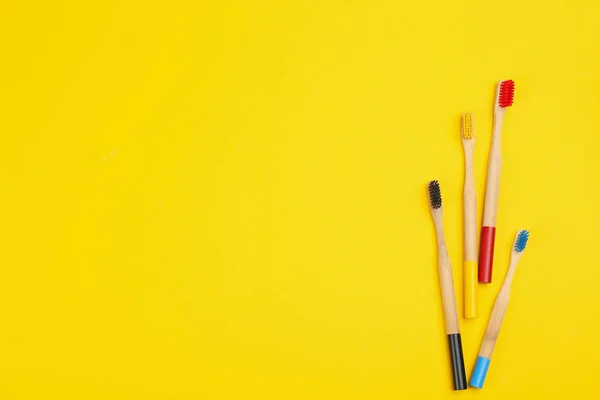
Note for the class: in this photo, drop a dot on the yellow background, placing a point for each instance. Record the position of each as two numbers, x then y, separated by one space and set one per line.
226 199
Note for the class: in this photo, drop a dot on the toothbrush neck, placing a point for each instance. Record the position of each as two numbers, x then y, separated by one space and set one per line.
468 157
498 120
511 270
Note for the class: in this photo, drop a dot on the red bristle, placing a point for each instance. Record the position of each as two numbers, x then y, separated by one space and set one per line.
507 93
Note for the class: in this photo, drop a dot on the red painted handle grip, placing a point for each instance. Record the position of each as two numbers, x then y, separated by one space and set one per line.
486 254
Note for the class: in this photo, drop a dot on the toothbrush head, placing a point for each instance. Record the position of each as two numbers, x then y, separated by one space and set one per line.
467 126
506 93
521 241
435 195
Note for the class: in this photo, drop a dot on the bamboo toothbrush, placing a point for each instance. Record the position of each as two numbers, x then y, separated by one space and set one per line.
504 98
447 285
469 219
493 328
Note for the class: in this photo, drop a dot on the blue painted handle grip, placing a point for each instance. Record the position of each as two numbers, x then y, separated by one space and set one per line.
479 373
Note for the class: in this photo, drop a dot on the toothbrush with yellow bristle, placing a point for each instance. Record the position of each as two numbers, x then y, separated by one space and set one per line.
469 219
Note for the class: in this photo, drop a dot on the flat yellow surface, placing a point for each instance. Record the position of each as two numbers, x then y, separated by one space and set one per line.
226 199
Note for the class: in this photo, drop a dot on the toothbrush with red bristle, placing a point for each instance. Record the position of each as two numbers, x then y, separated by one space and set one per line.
504 98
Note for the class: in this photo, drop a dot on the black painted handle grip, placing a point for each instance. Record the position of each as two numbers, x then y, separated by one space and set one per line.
458 362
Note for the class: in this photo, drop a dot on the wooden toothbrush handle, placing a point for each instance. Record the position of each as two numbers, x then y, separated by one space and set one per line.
470 214
492 187
490 208
490 338
494 324
459 376
469 239
447 287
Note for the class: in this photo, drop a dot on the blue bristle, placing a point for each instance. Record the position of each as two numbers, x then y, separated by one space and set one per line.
521 241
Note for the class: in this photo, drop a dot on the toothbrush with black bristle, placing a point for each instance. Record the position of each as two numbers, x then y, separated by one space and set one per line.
447 285
493 328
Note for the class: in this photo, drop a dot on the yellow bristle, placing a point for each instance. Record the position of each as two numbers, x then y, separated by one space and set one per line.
467 126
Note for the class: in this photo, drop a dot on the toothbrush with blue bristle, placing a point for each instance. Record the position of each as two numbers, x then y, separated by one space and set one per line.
493 328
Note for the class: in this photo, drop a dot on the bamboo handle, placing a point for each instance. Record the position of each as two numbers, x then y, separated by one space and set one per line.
469 211
492 331
449 305
490 208
446 284
470 234
493 327
489 340
492 187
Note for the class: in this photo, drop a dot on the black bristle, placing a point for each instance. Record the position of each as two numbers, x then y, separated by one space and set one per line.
435 195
